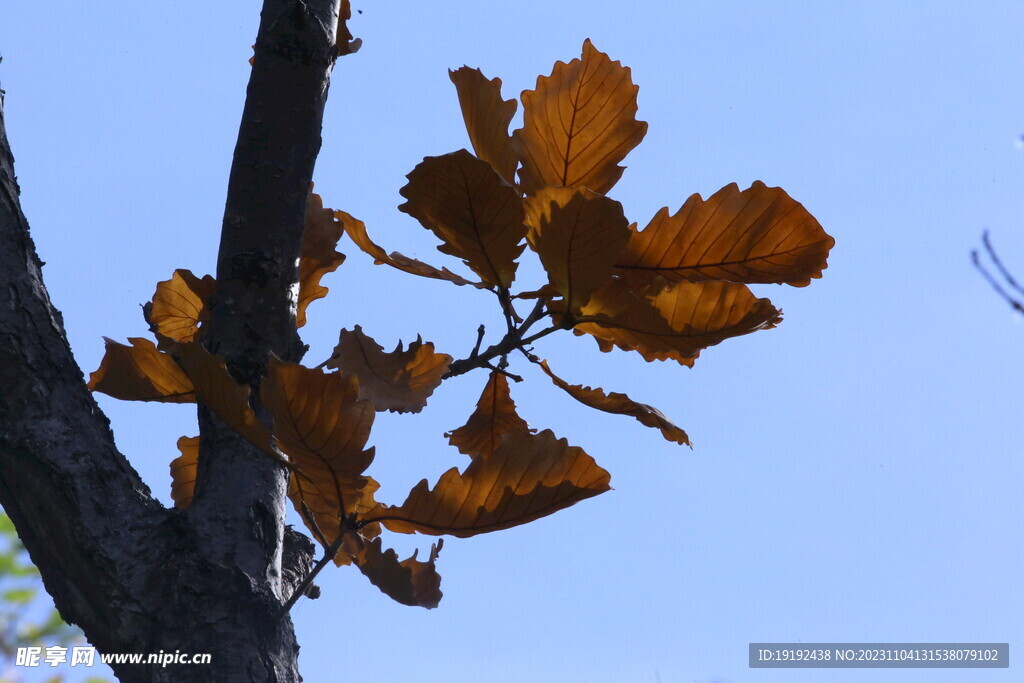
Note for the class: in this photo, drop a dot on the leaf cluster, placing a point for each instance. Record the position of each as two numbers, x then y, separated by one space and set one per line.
665 292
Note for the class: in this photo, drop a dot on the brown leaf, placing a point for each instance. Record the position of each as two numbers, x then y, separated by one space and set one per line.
223 395
141 373
578 124
410 582
620 404
183 471
675 321
477 215
319 237
356 230
579 235
179 305
528 477
399 381
345 43
326 522
759 235
487 118
322 426
495 415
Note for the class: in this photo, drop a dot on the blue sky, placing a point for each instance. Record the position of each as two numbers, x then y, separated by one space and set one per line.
855 474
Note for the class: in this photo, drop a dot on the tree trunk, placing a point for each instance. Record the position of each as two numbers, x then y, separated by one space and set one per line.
139 578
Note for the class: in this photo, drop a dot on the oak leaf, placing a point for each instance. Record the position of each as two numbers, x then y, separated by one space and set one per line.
495 415
477 215
578 124
400 381
183 471
410 582
759 235
579 236
179 305
356 230
140 372
218 390
674 321
319 237
620 404
487 118
321 424
528 477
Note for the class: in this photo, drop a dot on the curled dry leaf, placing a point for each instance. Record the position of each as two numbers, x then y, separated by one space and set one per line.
179 305
578 235
223 395
477 215
578 124
183 471
495 416
528 477
141 373
759 235
356 230
675 321
344 41
319 237
321 424
487 118
410 582
620 404
400 381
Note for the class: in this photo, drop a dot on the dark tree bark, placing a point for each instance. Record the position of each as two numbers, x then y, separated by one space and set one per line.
139 578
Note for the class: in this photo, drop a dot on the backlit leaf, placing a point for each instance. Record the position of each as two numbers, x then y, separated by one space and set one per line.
141 373
495 415
487 118
179 305
183 471
321 424
528 477
758 235
327 515
319 237
578 124
356 230
620 404
579 235
218 390
344 41
400 381
477 215
675 321
410 582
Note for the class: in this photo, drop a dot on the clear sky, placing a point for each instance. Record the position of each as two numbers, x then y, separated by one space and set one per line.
856 471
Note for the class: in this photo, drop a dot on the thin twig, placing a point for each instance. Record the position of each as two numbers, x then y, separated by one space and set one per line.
300 590
479 340
995 284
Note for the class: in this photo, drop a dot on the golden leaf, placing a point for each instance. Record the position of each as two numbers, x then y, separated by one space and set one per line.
179 305
487 118
223 395
319 237
579 235
578 124
675 321
410 582
528 477
343 40
141 373
620 404
495 415
400 381
326 522
477 215
759 235
356 230
183 471
321 424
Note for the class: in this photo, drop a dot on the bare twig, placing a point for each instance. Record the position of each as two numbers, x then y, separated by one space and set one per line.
1015 304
